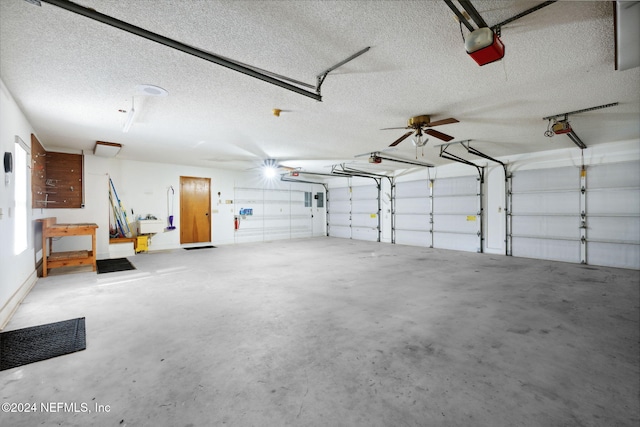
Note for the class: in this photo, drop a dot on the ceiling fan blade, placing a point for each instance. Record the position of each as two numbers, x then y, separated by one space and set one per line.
403 127
439 135
442 122
399 140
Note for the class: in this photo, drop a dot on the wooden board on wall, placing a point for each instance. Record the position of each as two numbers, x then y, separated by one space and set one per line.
64 180
56 180
38 173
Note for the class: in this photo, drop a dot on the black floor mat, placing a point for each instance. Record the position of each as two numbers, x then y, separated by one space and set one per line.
29 345
200 247
116 264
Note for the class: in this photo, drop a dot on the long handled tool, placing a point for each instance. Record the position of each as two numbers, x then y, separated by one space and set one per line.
116 215
124 220
170 194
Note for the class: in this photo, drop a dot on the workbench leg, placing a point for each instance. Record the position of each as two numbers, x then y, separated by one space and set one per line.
93 249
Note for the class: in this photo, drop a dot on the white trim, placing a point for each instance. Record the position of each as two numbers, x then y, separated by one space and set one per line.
7 311
20 142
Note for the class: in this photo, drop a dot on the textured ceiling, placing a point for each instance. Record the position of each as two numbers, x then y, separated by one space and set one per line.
71 76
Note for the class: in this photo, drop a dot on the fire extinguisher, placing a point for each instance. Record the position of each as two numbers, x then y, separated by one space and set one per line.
236 222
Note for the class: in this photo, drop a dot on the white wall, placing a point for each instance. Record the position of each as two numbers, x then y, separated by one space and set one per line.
144 187
17 271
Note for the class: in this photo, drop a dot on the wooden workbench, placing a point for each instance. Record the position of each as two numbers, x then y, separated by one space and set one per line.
51 259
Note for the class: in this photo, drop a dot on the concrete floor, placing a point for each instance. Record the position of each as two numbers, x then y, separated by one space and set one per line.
334 332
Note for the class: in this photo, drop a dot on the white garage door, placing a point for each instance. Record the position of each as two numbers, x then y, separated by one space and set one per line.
339 212
613 215
354 212
457 220
545 214
365 210
266 214
413 213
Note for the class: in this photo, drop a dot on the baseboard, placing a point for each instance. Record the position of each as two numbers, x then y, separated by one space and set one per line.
7 311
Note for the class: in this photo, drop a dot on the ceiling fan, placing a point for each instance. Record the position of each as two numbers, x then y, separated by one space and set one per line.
420 125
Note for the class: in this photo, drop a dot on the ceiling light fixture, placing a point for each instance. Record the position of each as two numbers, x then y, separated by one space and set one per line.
269 172
151 90
269 168
106 149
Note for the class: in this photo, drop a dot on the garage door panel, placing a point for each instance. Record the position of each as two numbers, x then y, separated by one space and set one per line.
364 206
364 220
626 229
412 213
614 175
458 185
546 203
614 255
456 202
339 193
412 222
613 214
340 231
566 227
413 206
341 219
467 205
364 192
363 233
413 238
417 189
353 212
455 241
546 179
557 250
615 202
340 206
455 223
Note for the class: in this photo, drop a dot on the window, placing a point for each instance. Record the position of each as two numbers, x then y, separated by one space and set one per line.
21 196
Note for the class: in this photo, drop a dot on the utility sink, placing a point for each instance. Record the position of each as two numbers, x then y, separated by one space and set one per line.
150 226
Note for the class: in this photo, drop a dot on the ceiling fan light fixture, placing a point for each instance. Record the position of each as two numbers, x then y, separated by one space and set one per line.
419 142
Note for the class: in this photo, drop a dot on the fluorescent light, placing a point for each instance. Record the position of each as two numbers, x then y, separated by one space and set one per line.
106 149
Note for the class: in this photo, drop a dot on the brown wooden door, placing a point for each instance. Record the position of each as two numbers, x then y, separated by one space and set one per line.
195 209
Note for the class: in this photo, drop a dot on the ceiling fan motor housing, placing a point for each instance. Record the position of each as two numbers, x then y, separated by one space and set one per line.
418 121
484 46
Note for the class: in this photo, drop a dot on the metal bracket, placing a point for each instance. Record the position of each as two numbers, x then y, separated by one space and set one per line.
498 27
323 75
446 155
